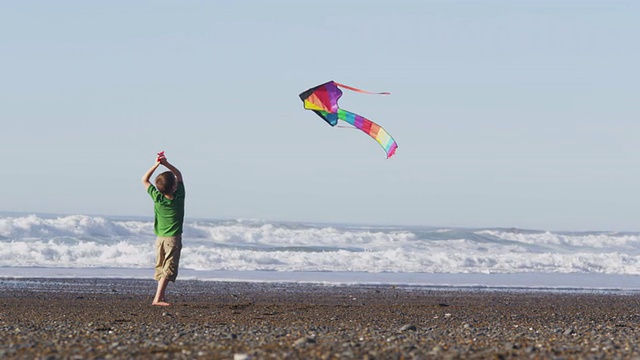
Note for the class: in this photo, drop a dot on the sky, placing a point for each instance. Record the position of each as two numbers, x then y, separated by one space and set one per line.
507 113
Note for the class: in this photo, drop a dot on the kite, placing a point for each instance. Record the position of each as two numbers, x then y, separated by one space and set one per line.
323 100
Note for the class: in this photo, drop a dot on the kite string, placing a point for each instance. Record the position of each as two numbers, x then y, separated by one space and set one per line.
361 91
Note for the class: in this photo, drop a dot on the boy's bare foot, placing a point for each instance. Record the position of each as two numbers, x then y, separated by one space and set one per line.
160 303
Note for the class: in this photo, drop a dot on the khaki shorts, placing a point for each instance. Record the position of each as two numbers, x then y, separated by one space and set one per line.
167 257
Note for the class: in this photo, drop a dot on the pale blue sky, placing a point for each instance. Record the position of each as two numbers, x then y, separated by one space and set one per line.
507 113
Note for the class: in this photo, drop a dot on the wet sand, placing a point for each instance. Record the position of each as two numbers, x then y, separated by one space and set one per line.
113 319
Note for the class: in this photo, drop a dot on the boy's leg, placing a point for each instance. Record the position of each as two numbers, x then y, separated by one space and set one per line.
167 262
158 300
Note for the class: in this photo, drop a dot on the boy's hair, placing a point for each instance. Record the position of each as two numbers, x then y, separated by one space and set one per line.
166 182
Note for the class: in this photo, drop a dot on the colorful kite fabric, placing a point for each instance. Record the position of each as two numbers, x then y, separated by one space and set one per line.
323 100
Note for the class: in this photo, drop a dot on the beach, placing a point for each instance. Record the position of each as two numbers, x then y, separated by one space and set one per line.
113 319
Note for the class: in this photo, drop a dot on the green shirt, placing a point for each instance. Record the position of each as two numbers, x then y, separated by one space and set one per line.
169 214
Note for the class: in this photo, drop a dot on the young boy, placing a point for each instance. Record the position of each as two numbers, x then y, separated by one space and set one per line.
168 198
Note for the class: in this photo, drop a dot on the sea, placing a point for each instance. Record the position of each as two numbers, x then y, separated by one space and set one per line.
88 246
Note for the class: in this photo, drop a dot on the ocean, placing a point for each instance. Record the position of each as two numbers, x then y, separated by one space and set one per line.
83 246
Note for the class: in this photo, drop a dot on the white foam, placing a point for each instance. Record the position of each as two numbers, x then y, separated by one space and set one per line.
81 241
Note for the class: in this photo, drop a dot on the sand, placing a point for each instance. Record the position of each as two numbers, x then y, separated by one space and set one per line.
113 319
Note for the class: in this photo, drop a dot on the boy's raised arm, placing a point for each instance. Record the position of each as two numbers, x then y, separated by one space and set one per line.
171 168
145 178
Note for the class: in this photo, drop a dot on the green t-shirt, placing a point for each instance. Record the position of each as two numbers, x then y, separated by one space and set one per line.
169 214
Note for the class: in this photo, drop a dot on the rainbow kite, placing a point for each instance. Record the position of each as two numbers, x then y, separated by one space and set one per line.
323 100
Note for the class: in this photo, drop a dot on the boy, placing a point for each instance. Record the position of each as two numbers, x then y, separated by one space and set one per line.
168 198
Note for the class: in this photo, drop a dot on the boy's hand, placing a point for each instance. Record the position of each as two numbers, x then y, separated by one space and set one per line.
161 159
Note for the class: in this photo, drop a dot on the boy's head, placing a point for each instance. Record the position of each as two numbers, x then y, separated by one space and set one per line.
166 183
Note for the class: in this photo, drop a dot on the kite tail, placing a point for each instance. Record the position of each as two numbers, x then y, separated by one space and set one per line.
361 91
372 129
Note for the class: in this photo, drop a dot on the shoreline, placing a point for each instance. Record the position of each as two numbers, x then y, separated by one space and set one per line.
530 281
189 286
113 318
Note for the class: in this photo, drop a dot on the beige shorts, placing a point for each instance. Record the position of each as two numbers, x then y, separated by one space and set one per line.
167 257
